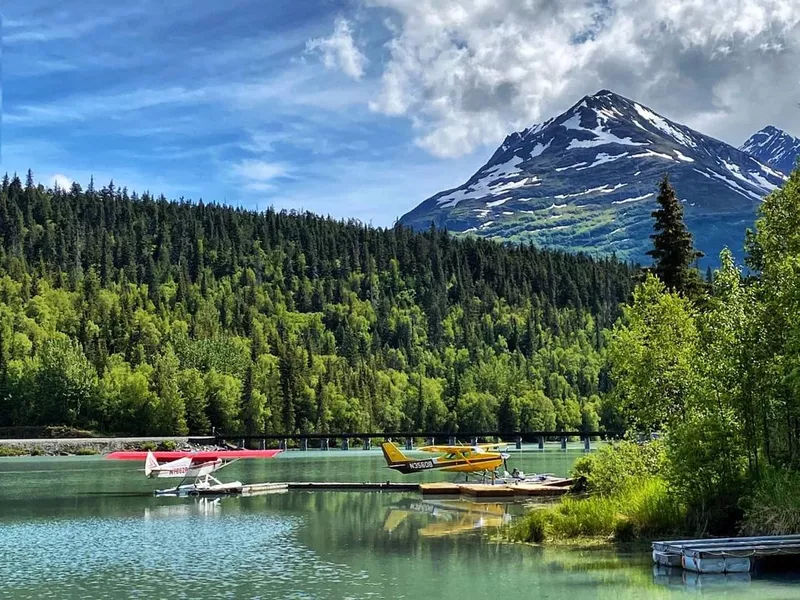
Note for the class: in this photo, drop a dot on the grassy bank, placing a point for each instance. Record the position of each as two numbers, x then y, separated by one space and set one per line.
627 499
643 509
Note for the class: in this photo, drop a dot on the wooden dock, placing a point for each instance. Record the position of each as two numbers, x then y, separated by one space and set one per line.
723 555
472 490
345 486
501 490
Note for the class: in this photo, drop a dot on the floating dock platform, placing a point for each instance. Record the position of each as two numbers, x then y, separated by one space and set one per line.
498 490
472 490
724 555
345 486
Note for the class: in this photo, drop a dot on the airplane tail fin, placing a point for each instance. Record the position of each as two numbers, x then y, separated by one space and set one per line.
150 463
392 453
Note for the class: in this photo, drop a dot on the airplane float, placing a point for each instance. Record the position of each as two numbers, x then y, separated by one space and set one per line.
482 458
192 465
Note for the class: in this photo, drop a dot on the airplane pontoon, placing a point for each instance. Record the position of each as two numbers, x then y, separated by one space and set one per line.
197 466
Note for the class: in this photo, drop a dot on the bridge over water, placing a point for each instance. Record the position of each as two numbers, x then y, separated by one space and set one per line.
323 440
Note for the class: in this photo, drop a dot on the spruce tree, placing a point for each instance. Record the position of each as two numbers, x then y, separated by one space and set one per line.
673 251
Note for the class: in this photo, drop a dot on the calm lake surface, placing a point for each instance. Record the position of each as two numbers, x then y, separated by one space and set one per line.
80 527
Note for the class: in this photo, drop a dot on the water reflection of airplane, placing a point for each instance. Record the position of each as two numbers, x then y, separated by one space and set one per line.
201 506
451 517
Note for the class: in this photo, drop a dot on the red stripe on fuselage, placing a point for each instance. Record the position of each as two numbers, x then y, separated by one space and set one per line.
168 455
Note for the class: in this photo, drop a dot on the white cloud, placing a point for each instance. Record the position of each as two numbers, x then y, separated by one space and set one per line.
339 50
466 72
61 181
258 175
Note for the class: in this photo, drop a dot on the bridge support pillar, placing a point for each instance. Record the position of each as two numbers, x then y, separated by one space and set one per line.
587 444
345 443
409 443
281 444
452 440
324 443
519 442
431 441
304 444
474 441
367 443
541 442
563 443
262 444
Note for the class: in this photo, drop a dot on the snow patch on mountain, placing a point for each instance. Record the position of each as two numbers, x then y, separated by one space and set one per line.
603 189
635 199
651 153
559 169
601 136
662 124
603 158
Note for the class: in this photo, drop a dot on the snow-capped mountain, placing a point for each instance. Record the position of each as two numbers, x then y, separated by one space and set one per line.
774 147
587 180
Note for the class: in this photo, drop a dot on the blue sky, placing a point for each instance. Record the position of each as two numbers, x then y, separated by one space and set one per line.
361 108
219 100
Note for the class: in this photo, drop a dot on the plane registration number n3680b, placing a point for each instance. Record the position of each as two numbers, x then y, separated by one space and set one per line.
422 464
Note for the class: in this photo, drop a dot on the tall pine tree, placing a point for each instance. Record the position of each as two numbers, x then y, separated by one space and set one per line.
673 251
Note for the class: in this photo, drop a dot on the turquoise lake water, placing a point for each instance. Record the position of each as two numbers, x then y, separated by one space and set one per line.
85 527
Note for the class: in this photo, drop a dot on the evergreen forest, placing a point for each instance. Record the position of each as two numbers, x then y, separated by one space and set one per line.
131 314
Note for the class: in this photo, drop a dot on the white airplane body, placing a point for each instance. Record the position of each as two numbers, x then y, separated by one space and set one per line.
183 467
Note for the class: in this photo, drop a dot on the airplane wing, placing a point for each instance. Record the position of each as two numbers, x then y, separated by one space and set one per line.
444 449
203 456
458 449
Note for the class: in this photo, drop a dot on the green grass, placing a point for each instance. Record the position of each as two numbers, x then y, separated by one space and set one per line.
642 509
86 451
11 451
773 507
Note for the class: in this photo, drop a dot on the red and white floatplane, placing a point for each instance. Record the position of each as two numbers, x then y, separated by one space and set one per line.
188 465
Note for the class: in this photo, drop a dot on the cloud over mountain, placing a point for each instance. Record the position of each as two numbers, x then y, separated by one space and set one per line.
466 71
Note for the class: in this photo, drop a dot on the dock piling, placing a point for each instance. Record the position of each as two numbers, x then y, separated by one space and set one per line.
541 443
519 442
587 444
367 443
564 443
304 444
452 440
345 443
409 443
325 444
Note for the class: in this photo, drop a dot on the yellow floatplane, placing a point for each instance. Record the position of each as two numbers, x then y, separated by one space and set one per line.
481 458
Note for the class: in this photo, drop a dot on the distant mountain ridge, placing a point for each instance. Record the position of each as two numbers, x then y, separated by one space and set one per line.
587 179
774 147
